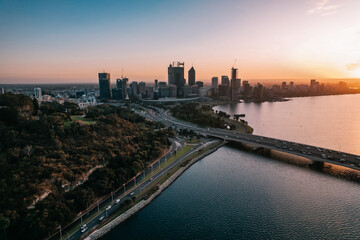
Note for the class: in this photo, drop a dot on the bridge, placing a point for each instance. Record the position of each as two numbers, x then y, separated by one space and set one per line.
315 154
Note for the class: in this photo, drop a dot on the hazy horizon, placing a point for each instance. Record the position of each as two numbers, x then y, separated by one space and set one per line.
72 41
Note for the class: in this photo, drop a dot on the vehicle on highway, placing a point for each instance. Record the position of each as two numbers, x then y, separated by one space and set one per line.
323 156
342 160
108 207
83 229
151 179
101 218
83 226
117 200
132 193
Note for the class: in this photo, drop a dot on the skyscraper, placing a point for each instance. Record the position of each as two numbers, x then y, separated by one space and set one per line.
37 93
191 76
156 85
225 80
235 85
176 77
121 85
105 85
214 82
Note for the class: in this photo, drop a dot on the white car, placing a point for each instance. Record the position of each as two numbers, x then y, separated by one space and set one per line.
131 193
83 226
83 229
108 207
101 218
117 200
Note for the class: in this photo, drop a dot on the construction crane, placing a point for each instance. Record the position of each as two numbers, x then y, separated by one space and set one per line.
234 63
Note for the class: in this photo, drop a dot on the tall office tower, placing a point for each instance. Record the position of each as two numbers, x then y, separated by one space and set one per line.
225 80
283 85
258 91
162 84
142 88
150 92
235 85
214 82
200 84
176 77
312 83
2 91
291 86
156 85
133 90
191 76
37 93
105 85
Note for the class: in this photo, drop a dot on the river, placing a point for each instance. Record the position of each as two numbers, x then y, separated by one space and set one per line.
232 194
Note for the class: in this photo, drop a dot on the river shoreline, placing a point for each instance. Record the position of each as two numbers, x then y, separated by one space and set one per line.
98 233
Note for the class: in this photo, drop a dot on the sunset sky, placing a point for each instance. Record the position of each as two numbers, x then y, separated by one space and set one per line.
71 41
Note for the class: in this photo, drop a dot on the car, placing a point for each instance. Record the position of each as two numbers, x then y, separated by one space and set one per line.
108 208
323 156
132 193
101 218
290 149
342 160
151 179
117 200
83 229
83 226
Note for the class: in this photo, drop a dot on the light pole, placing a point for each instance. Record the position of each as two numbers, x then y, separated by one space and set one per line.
124 187
98 206
112 197
81 217
135 180
60 233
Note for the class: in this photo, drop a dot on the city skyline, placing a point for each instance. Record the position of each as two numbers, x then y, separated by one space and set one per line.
50 42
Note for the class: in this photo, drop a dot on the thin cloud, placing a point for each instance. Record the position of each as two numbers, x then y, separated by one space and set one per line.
323 8
353 66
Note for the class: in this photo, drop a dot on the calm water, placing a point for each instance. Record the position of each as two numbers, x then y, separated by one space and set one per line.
236 195
327 121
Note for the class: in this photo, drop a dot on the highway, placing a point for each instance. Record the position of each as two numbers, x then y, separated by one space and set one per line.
314 153
114 202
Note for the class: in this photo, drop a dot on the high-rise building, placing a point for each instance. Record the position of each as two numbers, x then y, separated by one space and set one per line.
150 92
105 85
258 91
2 91
38 94
187 90
224 91
163 91
133 90
200 84
156 85
172 90
283 85
162 84
214 82
176 77
121 85
235 85
225 81
191 76
142 87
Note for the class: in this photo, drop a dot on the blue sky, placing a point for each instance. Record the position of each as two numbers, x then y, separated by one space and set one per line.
70 41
